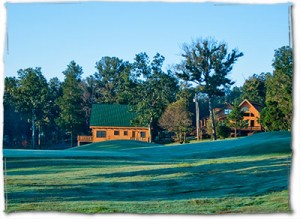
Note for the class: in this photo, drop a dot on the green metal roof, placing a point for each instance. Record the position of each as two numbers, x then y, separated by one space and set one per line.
111 115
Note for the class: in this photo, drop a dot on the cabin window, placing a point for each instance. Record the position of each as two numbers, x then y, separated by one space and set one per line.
245 109
116 132
101 134
246 114
227 111
252 123
125 133
143 134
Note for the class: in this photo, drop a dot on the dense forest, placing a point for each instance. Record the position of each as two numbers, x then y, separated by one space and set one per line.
41 114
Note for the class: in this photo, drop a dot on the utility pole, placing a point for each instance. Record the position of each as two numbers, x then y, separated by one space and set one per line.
290 19
33 129
197 116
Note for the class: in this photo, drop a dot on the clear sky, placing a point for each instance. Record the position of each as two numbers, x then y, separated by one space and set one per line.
50 35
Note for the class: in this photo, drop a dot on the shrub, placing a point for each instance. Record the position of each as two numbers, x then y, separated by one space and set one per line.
223 131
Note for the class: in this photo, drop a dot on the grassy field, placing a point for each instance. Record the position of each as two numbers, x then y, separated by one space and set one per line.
246 175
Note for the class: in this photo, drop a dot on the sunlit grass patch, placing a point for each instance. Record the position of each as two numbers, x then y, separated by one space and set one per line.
276 202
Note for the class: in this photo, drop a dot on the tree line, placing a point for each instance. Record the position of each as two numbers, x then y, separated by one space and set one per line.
40 113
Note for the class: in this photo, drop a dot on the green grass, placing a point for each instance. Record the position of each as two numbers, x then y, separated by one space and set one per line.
249 175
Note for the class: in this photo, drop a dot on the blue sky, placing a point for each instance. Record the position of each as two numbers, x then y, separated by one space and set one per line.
50 35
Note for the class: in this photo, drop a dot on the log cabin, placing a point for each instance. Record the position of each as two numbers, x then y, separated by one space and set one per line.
222 113
113 122
251 114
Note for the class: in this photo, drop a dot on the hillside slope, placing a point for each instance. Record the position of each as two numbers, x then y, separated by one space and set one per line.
261 143
258 144
245 175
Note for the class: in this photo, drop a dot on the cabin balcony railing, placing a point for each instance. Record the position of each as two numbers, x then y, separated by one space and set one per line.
252 128
84 138
139 139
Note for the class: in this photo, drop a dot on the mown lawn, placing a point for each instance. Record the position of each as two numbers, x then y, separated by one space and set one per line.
249 175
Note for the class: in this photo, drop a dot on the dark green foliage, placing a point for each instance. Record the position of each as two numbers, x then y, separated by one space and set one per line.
236 118
10 86
208 63
254 88
32 92
89 96
31 98
55 108
112 80
223 131
71 116
52 132
154 89
272 118
185 93
15 126
278 112
235 94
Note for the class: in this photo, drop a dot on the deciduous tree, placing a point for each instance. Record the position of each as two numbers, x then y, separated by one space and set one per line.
272 118
15 125
254 88
31 97
176 118
155 89
235 94
208 63
280 84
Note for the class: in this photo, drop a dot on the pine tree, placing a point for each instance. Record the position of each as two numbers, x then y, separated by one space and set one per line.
71 116
236 118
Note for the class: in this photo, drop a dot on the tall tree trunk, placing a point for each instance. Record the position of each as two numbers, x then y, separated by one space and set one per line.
39 137
180 137
197 116
201 133
71 138
71 135
33 130
212 118
150 129
235 131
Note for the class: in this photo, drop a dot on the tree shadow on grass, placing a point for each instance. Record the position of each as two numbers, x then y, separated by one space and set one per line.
216 180
51 166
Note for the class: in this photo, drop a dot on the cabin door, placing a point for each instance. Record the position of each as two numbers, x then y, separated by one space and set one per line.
133 135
